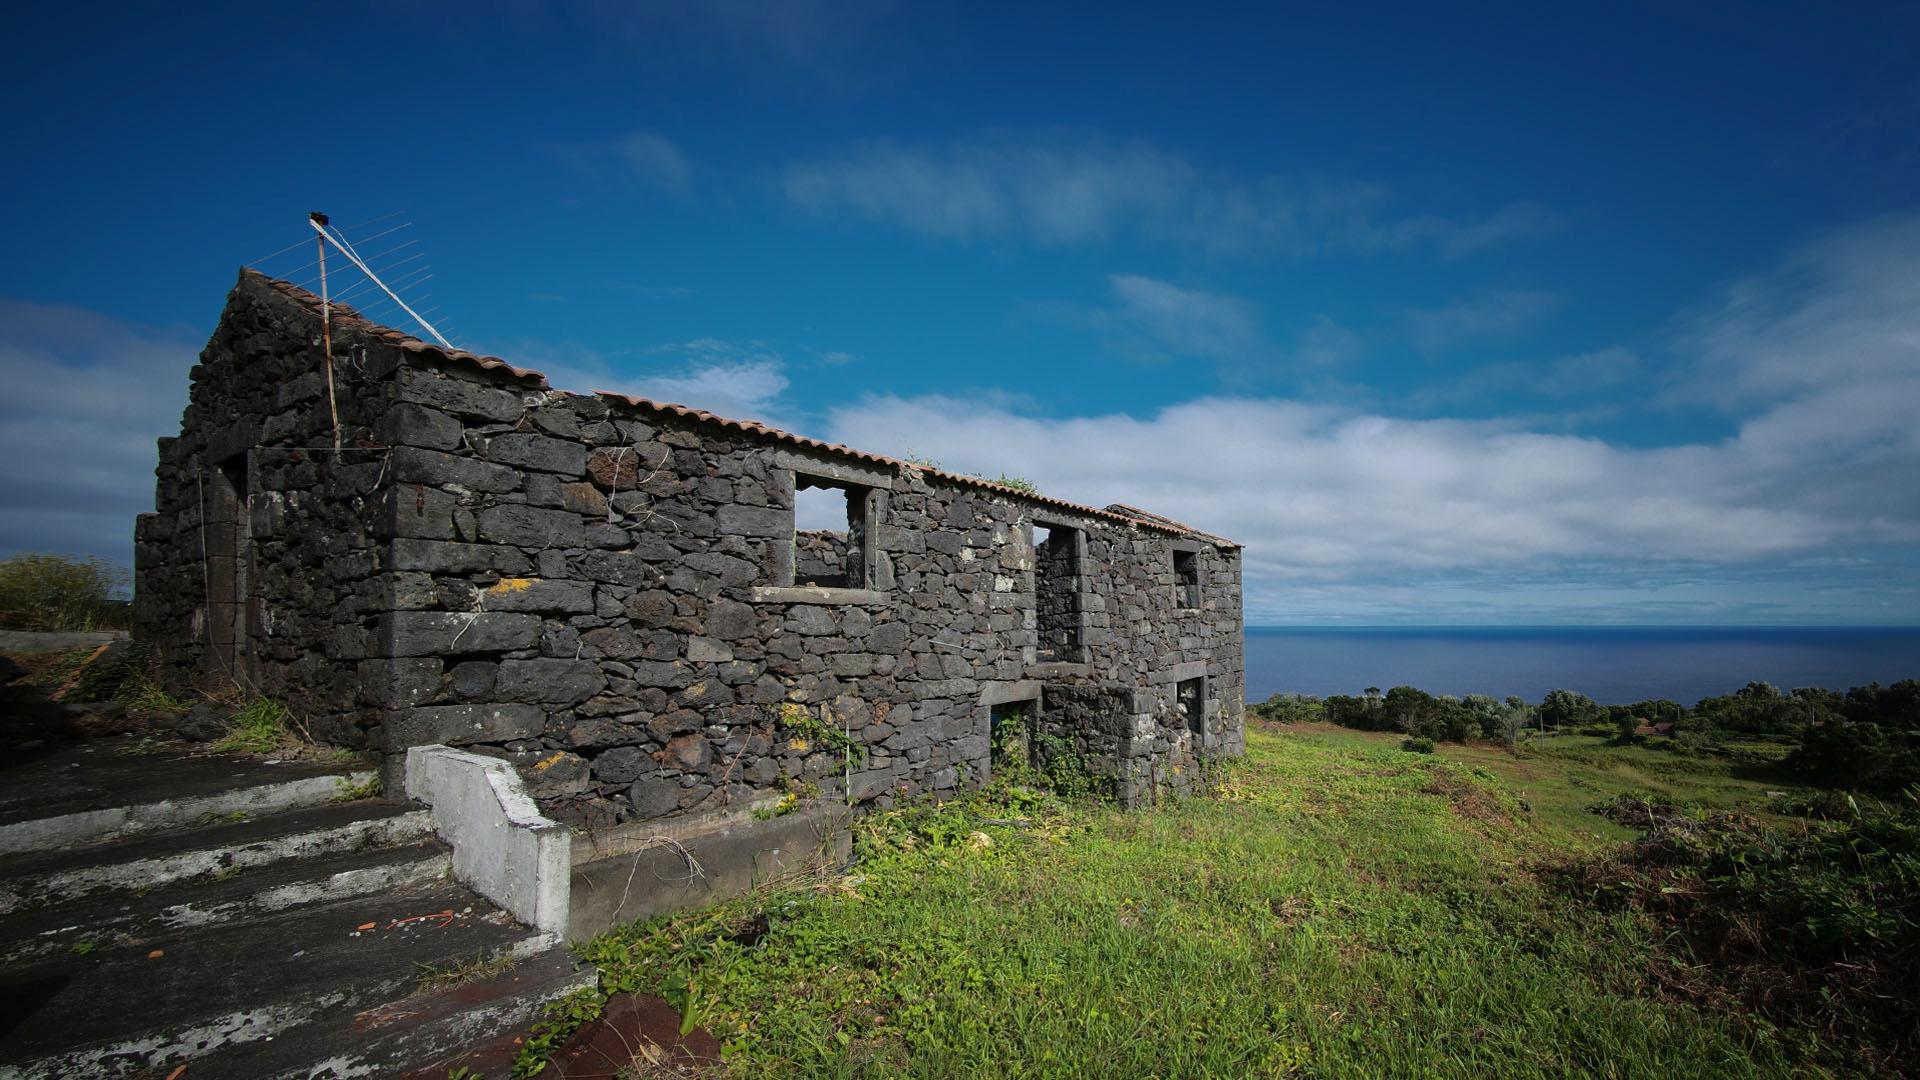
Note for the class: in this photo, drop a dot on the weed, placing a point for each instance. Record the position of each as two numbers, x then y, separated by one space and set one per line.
259 728
226 873
350 791
83 948
147 744
784 806
805 730
445 976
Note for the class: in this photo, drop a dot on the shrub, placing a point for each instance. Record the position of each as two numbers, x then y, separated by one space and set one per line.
1862 756
61 593
1419 744
1814 924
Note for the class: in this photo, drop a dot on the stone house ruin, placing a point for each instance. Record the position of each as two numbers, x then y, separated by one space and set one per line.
612 593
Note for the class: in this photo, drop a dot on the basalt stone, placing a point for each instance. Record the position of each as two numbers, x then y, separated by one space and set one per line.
551 774
556 682
730 620
678 722
600 733
539 452
459 725
654 796
688 753
621 765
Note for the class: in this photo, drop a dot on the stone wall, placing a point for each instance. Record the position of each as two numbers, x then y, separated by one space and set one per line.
263 554
609 593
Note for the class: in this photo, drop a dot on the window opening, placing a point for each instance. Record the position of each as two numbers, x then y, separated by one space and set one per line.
1192 696
1056 587
1010 730
829 534
1186 579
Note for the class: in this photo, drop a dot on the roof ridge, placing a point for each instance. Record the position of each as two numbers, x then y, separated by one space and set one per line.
1117 511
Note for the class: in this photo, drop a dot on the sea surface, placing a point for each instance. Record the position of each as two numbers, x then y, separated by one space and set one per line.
1613 665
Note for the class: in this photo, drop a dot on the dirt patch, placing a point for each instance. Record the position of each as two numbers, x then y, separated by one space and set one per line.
1468 800
637 1036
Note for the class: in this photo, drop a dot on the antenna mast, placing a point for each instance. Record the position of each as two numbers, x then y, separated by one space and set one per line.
319 221
340 244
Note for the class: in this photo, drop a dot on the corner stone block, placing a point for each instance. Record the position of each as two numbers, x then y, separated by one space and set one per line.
412 465
458 725
407 424
433 633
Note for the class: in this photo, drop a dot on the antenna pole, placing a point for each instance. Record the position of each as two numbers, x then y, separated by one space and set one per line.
326 324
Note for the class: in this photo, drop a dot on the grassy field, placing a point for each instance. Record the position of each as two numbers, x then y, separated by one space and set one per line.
1338 907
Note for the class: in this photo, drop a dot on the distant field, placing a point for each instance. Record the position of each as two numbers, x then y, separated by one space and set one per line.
1340 908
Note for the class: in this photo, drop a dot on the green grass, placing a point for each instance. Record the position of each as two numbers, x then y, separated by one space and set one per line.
1338 908
259 728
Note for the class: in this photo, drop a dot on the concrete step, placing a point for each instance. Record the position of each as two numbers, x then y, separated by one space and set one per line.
419 1035
260 893
103 790
48 879
283 996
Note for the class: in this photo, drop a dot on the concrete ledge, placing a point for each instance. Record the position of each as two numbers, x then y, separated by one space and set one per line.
502 846
801 594
1192 669
638 870
21 642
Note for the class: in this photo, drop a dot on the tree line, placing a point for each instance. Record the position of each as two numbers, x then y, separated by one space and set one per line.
1867 738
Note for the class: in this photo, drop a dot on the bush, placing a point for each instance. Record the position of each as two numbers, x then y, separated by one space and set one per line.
1814 924
1861 756
1419 744
61 593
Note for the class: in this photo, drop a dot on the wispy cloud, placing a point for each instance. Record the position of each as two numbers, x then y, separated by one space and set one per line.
743 380
636 162
1494 314
1182 322
1074 188
651 159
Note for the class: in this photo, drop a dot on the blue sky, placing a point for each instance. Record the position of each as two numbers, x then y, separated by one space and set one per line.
1502 315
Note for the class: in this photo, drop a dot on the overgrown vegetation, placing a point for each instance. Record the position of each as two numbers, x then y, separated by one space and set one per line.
61 593
1813 926
1338 907
1867 739
261 726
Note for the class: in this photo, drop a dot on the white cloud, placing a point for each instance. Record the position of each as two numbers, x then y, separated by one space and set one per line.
1074 188
1332 501
86 398
742 381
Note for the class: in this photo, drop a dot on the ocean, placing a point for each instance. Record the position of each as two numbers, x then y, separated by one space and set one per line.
1613 665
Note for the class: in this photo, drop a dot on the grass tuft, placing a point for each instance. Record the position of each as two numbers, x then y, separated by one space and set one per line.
258 728
454 973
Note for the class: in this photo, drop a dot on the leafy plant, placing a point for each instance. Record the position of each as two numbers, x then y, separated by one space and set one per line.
806 730
351 791
258 728
1419 744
